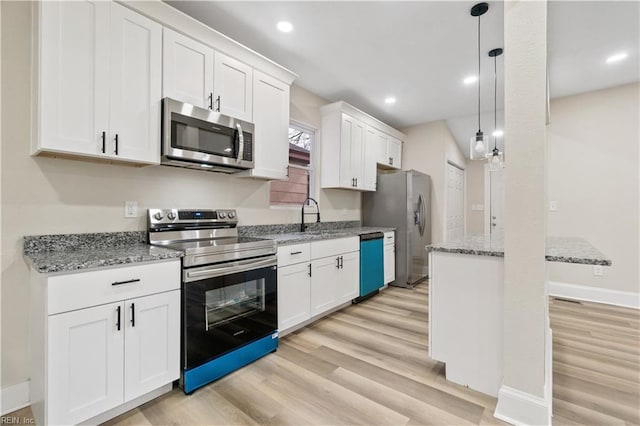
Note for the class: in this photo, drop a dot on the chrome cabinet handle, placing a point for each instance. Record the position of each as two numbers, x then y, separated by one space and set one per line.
104 141
338 262
116 151
309 269
135 280
133 315
211 101
391 161
118 320
295 252
218 103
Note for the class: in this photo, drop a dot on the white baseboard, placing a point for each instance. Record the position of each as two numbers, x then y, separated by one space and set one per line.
625 299
520 408
14 398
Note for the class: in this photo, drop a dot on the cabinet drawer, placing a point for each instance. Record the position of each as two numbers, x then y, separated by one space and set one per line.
84 289
296 253
389 237
326 248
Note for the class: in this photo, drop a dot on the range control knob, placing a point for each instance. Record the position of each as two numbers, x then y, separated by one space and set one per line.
222 215
171 216
158 216
231 215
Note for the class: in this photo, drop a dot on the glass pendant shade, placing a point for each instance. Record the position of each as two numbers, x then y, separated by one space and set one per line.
479 147
496 160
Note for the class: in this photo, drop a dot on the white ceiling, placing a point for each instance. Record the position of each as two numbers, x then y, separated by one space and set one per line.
419 52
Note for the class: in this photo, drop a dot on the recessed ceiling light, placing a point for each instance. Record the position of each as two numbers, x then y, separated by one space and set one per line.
617 57
285 27
470 80
498 133
390 100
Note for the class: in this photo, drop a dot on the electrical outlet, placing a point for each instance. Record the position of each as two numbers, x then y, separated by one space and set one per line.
597 270
553 206
130 209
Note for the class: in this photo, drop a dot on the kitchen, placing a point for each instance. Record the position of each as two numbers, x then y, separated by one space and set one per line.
88 197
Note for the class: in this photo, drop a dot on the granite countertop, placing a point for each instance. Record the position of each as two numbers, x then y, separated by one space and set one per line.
327 234
71 252
558 249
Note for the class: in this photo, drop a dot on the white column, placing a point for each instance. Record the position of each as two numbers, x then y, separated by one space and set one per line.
523 397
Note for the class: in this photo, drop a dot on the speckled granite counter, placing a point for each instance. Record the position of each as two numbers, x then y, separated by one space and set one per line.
559 249
302 237
71 252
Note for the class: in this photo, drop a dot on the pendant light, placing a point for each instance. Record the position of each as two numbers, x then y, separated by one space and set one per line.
496 158
478 145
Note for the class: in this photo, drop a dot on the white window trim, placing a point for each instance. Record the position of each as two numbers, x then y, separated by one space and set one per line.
314 190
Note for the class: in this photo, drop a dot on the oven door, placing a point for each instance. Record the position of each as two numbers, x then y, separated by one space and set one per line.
226 306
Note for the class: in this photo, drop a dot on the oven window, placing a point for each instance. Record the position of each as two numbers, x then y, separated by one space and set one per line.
226 304
195 138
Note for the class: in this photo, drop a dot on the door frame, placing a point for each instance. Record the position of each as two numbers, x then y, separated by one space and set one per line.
450 162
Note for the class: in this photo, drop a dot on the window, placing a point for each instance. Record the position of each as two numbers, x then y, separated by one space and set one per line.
298 186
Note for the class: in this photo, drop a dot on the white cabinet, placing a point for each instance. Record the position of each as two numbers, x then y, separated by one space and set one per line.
353 144
232 87
187 70
271 120
294 285
343 142
99 85
314 278
389 256
109 336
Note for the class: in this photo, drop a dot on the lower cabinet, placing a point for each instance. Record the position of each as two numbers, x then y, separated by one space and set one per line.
389 256
326 275
99 357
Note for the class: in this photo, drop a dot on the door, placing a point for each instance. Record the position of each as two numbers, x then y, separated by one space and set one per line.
294 295
232 87
85 363
370 158
495 218
455 203
419 190
152 342
187 70
135 89
324 276
74 67
271 120
349 277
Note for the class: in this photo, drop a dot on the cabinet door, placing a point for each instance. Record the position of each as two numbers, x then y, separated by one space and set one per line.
382 144
135 64
389 263
232 87
324 276
370 159
395 153
152 342
271 119
294 295
187 70
357 153
85 363
351 152
74 67
348 283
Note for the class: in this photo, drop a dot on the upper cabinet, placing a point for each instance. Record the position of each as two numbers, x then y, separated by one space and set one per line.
196 74
353 145
232 87
187 70
99 82
271 121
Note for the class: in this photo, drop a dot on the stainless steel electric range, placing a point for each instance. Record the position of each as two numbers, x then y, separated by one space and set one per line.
229 284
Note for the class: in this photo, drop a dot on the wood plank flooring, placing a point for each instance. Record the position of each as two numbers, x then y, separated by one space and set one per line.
367 364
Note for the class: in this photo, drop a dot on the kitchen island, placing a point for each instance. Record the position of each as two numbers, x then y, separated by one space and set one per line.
466 304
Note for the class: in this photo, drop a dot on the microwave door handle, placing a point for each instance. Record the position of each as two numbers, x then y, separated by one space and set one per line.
240 142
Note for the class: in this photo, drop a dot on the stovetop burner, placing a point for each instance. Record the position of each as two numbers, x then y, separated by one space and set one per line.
205 236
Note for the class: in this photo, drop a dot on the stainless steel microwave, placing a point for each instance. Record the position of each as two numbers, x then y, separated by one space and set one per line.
202 139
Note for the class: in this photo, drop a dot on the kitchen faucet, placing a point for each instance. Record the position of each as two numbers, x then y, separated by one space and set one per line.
302 225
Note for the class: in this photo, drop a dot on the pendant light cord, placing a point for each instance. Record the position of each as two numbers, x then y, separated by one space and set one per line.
495 100
479 130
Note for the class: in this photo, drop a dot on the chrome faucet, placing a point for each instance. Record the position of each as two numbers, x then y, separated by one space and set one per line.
302 225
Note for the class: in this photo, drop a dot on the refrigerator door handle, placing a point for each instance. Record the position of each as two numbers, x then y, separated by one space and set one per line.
422 209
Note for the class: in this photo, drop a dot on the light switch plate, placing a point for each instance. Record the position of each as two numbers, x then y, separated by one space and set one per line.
553 206
130 209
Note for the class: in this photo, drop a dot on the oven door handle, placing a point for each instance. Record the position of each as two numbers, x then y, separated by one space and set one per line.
229 268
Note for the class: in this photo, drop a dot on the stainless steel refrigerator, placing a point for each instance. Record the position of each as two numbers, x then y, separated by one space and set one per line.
403 200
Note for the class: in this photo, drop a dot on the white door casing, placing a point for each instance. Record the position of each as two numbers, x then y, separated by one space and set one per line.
455 203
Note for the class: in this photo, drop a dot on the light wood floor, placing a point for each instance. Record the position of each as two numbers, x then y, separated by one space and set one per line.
367 364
